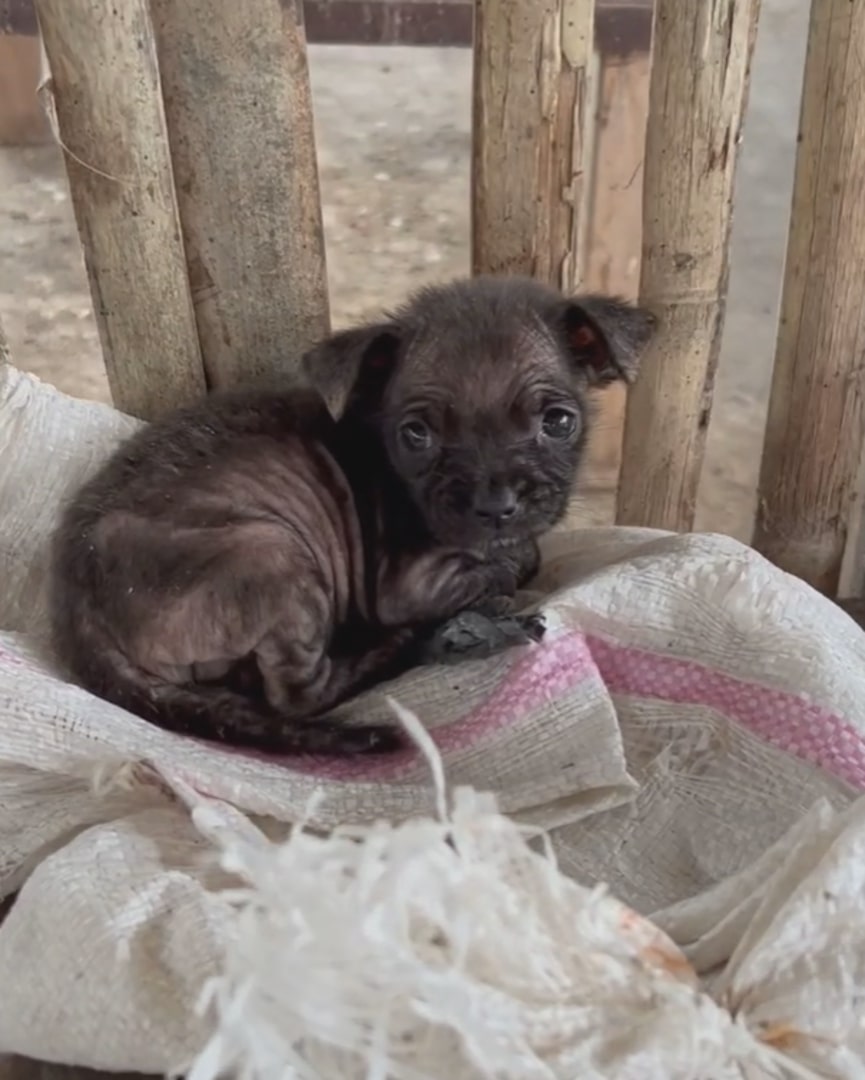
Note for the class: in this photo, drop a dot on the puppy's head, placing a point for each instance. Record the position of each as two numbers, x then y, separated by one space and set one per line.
477 390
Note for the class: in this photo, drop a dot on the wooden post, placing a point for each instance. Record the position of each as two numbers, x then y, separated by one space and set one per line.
816 423
697 97
532 137
239 112
105 89
18 1068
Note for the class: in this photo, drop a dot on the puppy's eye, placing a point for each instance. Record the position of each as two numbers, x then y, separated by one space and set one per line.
415 435
559 423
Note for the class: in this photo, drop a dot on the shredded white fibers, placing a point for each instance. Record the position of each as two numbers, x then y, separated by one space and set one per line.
446 950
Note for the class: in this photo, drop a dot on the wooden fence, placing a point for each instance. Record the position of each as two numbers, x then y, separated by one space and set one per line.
162 106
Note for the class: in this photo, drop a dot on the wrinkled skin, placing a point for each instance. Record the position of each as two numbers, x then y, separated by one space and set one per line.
245 564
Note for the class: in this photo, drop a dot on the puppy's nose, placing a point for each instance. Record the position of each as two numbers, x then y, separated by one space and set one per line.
496 507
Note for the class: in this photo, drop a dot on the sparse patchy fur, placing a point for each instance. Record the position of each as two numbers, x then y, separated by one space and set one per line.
245 564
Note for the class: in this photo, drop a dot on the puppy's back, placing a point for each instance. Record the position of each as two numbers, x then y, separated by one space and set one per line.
167 520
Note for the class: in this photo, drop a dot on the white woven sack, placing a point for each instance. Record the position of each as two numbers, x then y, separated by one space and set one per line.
666 734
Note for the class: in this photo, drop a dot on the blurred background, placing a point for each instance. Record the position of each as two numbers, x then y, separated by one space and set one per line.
393 127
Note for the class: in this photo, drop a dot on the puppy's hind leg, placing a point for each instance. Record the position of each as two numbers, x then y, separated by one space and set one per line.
302 680
237 722
255 601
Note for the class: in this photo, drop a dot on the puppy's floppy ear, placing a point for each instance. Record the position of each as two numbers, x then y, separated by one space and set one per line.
352 365
605 337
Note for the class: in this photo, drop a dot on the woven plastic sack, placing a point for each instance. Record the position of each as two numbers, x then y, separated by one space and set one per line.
689 704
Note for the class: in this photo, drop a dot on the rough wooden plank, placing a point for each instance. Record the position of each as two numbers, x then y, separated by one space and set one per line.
532 134
816 421
18 1068
239 112
18 17
22 118
622 27
697 97
385 22
615 228
110 117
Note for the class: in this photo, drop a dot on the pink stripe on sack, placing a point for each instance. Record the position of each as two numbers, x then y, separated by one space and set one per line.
539 677
542 674
789 722
786 721
15 661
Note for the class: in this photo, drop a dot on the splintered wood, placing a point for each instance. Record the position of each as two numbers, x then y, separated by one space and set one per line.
697 97
816 422
106 94
532 137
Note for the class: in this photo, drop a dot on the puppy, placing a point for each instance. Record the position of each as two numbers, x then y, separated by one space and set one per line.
246 564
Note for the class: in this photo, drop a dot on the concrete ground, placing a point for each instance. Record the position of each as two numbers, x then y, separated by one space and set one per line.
393 138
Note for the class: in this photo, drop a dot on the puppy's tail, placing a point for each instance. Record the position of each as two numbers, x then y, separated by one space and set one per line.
218 713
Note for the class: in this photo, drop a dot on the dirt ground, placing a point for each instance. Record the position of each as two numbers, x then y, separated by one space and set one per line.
393 137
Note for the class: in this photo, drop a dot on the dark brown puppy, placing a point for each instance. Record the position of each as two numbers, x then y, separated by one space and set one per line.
265 540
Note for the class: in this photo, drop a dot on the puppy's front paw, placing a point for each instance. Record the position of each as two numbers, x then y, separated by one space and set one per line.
473 635
503 581
494 607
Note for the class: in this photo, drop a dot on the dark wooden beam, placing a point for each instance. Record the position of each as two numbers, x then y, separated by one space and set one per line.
622 27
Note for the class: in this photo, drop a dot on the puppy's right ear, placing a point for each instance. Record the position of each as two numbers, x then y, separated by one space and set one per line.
606 337
353 366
